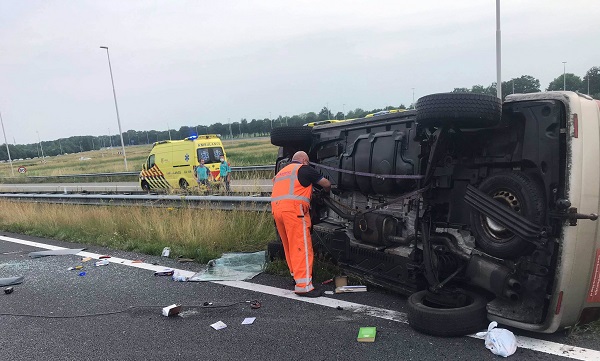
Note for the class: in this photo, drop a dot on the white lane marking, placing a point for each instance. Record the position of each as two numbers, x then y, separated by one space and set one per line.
553 348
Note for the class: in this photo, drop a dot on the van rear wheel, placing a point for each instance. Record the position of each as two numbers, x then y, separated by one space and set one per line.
183 184
145 186
463 110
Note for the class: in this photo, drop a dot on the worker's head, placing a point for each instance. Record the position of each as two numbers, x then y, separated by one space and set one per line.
221 159
202 162
301 157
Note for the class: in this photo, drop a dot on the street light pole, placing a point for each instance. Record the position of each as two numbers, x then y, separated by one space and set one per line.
7 150
498 53
413 103
41 148
564 75
116 106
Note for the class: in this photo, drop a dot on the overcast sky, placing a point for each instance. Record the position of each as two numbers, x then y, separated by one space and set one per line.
199 62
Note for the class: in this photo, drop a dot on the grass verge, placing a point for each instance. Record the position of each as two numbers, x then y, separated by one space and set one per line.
191 233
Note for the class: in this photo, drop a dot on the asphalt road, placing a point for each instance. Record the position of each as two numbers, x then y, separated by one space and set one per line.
286 326
241 185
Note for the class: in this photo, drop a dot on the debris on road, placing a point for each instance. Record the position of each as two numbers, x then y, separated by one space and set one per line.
101 263
85 259
218 325
341 281
56 252
165 272
248 320
185 260
8 290
11 281
326 282
328 292
179 277
232 267
366 334
81 274
103 257
172 310
499 341
166 252
137 261
74 268
351 289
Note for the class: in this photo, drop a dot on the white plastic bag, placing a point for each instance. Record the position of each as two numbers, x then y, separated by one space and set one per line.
498 340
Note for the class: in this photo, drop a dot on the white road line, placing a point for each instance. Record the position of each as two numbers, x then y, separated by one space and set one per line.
553 348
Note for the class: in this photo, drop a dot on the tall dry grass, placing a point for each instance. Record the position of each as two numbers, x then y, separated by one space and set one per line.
191 233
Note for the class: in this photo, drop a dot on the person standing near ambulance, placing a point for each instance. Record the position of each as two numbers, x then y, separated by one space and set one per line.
290 205
225 171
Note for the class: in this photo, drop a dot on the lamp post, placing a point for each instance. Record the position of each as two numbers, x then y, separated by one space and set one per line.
7 150
116 106
498 53
413 103
42 149
564 75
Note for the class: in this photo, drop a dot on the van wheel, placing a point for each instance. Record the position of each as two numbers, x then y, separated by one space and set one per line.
145 186
519 192
299 138
428 316
183 184
463 110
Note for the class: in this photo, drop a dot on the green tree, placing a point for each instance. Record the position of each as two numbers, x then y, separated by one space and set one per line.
591 82
572 82
339 116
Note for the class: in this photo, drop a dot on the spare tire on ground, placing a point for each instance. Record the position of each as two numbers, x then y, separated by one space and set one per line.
432 319
462 110
299 138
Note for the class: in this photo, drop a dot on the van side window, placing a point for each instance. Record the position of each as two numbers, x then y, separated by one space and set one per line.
217 152
151 161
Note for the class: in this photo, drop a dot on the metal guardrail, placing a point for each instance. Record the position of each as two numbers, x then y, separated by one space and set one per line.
247 203
249 168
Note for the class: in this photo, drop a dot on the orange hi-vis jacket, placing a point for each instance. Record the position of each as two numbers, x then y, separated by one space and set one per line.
290 203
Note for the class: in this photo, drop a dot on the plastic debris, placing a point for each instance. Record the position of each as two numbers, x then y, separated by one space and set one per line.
218 325
248 320
137 261
81 274
351 289
75 268
341 281
8 290
85 259
328 292
499 341
102 263
179 277
166 252
184 260
172 310
11 281
165 272
326 282
56 252
103 257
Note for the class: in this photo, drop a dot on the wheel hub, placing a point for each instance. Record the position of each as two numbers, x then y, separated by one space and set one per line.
495 229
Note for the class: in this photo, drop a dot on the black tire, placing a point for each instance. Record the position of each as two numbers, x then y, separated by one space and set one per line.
145 186
463 110
294 137
524 195
447 322
275 251
183 184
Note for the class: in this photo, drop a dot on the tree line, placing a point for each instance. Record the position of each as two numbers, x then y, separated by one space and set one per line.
588 84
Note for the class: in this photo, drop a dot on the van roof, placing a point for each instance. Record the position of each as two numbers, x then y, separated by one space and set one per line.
192 138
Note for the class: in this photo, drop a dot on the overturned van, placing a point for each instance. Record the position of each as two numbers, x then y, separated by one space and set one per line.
476 209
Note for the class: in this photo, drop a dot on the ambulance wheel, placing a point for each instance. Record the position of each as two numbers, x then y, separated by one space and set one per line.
183 184
299 138
462 110
145 186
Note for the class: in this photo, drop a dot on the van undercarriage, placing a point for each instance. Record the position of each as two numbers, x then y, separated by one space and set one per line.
460 205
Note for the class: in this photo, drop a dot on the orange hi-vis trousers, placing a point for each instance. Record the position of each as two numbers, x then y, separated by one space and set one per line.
293 224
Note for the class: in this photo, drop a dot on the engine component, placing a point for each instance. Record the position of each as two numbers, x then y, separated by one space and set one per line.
375 228
493 277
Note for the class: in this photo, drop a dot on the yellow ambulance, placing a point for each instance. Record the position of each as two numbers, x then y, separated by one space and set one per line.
171 163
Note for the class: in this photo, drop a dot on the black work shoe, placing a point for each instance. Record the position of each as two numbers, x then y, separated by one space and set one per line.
311 294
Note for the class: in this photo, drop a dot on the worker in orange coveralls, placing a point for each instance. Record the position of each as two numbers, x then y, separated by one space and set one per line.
290 203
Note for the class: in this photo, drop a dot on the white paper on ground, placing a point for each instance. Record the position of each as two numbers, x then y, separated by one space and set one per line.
248 320
218 325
